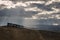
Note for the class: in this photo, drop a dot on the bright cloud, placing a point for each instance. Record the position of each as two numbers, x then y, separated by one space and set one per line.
32 9
9 4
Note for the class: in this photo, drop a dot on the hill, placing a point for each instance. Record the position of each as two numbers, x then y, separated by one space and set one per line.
13 33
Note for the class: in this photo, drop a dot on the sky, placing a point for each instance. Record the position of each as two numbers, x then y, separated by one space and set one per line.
30 9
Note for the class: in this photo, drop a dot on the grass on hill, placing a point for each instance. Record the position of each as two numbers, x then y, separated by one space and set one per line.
11 33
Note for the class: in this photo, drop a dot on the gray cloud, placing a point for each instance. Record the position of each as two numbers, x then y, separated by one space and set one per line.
55 4
30 13
18 11
3 12
2 6
42 6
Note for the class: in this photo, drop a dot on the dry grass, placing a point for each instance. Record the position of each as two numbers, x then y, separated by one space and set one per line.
11 33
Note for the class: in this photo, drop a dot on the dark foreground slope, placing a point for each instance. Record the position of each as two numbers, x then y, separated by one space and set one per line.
12 33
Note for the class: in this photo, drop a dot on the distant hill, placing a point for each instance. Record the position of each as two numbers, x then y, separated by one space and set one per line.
13 33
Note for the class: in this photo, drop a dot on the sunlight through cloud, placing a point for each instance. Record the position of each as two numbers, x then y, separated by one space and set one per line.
32 9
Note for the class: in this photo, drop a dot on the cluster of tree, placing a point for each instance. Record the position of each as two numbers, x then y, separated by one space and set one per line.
14 25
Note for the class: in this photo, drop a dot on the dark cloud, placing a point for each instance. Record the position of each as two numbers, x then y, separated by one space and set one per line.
16 11
2 6
19 11
3 12
56 4
30 13
42 6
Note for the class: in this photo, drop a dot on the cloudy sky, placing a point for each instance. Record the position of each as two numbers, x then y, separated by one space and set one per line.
28 9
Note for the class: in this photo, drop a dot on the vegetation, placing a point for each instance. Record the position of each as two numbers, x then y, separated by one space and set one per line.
12 33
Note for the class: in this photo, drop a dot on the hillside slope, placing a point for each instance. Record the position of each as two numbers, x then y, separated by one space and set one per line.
12 33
